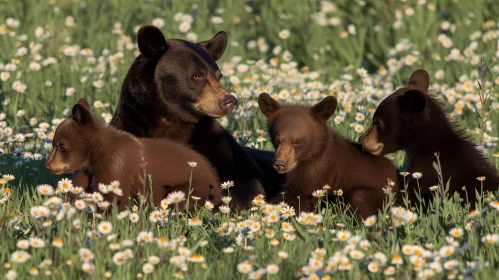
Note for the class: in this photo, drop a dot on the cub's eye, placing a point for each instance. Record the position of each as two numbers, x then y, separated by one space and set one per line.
297 143
377 124
62 146
196 76
276 141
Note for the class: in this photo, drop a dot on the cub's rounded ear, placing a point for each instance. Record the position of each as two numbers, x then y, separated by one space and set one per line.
420 78
413 101
82 115
84 102
216 45
267 104
150 40
324 109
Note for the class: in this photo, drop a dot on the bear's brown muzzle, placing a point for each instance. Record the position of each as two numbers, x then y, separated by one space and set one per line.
370 143
228 103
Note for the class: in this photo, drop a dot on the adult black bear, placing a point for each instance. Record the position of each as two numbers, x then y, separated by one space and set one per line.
173 90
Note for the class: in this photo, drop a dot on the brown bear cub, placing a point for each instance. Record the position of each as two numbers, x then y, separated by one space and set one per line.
411 120
313 155
82 144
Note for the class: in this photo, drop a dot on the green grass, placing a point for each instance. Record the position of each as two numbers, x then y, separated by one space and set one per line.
390 39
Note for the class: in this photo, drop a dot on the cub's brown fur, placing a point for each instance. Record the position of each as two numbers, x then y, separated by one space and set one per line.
313 155
100 154
411 120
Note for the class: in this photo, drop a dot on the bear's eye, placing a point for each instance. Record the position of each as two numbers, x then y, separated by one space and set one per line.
297 143
62 147
377 124
276 141
196 76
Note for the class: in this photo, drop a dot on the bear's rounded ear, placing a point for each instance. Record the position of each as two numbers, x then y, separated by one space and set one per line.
267 104
324 109
216 45
150 40
84 102
82 115
413 101
420 78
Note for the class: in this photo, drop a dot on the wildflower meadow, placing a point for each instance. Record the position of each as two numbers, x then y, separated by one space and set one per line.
54 52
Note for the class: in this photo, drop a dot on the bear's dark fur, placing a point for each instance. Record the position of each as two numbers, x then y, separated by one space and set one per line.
104 154
173 90
411 120
313 155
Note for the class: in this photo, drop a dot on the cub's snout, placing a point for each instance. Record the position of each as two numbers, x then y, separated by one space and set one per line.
280 166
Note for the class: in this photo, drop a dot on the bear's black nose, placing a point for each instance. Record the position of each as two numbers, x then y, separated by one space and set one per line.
280 165
228 102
